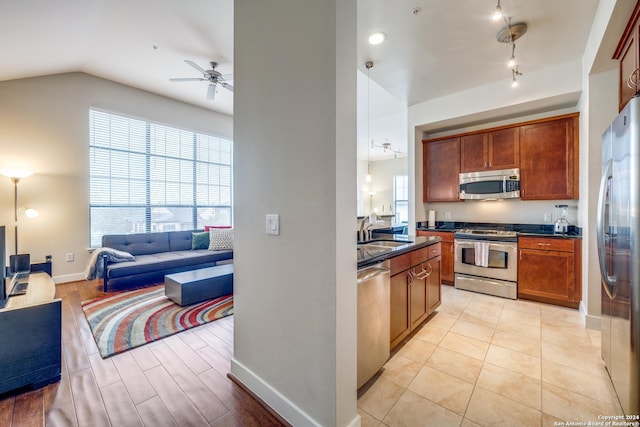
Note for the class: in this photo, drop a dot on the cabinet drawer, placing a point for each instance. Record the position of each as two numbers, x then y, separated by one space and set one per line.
420 255
400 263
547 244
434 250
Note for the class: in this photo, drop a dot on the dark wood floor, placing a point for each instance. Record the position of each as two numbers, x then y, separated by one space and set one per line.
177 381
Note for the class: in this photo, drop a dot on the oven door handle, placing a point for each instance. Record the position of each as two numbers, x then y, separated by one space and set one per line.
492 244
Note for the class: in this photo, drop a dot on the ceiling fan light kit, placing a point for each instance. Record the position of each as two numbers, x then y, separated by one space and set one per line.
510 34
212 76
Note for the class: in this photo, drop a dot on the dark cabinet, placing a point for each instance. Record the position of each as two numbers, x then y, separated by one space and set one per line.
549 159
441 170
549 270
545 150
446 242
31 327
498 149
474 153
628 55
415 290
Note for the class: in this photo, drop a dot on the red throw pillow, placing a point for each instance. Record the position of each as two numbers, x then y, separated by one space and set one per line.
209 227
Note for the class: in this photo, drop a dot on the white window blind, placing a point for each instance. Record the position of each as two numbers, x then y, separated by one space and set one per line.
147 177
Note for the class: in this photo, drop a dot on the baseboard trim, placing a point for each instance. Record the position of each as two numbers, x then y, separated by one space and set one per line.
257 399
590 321
270 397
69 278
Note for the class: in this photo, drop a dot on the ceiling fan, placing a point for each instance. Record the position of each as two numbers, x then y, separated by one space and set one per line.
212 76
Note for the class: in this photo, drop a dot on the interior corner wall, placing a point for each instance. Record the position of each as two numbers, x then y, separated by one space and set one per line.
44 127
295 338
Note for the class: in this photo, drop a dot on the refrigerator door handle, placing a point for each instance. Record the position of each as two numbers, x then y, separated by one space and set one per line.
609 282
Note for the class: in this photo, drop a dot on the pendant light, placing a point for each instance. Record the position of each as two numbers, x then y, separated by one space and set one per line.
368 65
509 35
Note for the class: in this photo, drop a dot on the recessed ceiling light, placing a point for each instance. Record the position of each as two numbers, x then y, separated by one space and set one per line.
377 38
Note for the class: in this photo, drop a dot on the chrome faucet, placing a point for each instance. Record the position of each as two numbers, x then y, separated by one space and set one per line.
364 233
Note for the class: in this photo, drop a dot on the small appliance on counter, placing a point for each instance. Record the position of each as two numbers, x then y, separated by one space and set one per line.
432 219
561 225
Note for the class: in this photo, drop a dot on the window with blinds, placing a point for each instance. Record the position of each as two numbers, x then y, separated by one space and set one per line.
146 177
401 198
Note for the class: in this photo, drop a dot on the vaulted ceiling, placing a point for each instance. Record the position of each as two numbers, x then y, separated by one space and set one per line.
433 47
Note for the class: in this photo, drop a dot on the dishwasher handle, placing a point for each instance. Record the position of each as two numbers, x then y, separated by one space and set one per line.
371 272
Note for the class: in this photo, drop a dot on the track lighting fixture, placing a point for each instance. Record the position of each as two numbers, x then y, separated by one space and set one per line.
497 14
510 34
514 73
368 65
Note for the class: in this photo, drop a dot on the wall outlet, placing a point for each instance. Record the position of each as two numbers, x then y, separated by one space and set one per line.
447 215
69 257
547 217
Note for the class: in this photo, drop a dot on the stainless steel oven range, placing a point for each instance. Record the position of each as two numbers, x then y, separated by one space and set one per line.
486 261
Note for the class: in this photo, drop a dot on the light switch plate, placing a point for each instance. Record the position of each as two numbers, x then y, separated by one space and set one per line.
273 224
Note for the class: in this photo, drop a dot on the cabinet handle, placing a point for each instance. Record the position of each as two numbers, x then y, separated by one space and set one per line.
520 255
632 81
424 273
544 244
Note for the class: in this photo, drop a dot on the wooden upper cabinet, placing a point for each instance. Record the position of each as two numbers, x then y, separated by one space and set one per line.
498 149
474 153
441 169
549 159
504 148
628 54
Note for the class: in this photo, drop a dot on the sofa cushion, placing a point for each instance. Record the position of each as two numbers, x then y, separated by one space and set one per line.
180 240
164 261
200 240
220 239
139 244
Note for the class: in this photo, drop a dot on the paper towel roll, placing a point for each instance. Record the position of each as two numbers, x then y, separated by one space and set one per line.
432 219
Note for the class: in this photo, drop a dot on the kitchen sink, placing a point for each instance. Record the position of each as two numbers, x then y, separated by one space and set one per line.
387 243
368 251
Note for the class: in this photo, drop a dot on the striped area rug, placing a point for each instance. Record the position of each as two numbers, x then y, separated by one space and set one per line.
130 319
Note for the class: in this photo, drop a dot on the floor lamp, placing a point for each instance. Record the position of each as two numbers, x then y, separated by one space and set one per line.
16 176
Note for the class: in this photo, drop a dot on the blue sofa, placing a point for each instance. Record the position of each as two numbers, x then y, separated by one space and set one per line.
156 255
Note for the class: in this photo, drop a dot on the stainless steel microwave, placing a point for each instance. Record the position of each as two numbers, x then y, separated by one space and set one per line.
487 185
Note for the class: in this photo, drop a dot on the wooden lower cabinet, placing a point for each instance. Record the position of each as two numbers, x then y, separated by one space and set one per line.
549 270
415 290
446 267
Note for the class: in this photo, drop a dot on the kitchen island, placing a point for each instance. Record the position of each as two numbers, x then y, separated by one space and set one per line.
415 279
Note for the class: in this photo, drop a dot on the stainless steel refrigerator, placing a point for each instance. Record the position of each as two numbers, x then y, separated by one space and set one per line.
618 228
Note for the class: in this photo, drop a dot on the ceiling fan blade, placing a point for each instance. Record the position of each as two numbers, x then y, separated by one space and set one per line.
188 79
196 66
227 86
211 92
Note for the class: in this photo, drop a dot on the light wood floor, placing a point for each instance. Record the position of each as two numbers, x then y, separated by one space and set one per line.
177 381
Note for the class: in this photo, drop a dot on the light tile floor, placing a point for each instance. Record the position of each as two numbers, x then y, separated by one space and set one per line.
488 361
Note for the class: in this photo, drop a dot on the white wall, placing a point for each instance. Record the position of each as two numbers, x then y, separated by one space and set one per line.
599 106
382 173
508 211
44 127
295 155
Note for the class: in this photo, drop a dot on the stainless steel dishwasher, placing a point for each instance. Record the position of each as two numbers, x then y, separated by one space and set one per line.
373 319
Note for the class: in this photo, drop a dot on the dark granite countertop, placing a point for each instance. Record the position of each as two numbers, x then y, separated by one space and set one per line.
412 243
539 230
